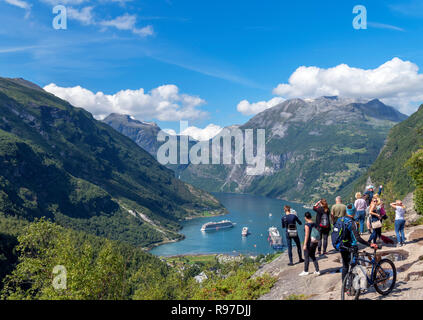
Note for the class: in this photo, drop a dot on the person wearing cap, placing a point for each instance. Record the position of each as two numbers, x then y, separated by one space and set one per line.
399 221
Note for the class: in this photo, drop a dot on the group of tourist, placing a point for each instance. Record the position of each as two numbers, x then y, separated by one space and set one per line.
368 209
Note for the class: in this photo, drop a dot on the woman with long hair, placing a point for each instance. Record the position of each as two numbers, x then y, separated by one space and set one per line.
323 224
376 219
289 222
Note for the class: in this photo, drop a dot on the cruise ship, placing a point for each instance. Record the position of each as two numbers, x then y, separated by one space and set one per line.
212 226
275 238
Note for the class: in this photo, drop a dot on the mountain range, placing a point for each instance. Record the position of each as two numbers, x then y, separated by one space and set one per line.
314 148
57 161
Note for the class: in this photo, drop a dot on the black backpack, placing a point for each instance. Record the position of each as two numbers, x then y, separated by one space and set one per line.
324 221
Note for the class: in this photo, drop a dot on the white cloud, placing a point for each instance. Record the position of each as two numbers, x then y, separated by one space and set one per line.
396 82
248 108
83 15
128 22
19 3
384 26
63 2
202 134
164 103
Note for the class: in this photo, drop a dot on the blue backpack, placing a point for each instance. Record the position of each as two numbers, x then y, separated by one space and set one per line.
340 234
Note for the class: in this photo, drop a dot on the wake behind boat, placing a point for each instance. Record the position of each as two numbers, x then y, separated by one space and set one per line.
213 226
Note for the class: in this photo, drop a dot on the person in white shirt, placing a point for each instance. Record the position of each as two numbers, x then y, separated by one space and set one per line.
399 221
360 205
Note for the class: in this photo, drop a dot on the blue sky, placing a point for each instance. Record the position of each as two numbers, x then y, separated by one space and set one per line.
214 53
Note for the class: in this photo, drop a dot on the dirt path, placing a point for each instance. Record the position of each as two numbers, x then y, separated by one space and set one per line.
327 286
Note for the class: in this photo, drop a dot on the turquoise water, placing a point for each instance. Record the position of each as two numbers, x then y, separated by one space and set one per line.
244 210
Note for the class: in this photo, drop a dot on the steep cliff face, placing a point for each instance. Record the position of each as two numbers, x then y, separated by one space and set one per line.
314 148
142 133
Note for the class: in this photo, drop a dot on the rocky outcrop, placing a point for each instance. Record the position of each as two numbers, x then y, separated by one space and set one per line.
411 214
407 259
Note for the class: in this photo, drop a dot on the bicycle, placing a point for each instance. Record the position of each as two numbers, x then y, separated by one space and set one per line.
383 275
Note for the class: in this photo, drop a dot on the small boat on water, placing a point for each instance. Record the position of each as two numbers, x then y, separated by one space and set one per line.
244 232
270 214
275 238
213 226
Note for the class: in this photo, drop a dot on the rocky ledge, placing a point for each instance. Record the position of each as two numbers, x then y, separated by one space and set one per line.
327 286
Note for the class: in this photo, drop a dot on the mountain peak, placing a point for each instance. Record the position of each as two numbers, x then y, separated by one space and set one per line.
128 120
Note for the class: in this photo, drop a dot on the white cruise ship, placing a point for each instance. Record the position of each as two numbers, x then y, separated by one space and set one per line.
212 226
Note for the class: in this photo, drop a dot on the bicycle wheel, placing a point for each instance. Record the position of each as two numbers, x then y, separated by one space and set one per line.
384 276
347 290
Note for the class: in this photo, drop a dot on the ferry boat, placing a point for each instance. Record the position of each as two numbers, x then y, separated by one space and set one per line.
275 238
212 226
244 231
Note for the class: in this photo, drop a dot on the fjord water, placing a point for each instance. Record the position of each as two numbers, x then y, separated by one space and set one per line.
245 211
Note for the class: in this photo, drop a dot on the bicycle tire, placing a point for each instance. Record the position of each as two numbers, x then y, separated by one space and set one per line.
344 283
379 268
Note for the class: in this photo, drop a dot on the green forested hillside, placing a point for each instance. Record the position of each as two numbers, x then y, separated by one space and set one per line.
57 161
95 268
389 168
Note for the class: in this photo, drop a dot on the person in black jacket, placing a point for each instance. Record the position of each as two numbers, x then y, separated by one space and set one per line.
289 222
323 224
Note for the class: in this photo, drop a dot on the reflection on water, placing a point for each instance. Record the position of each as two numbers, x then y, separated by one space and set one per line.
245 211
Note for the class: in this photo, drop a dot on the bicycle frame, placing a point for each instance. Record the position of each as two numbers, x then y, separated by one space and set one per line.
355 259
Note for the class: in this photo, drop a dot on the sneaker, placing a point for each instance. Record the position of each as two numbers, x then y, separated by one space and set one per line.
290 264
317 273
319 252
301 260
325 253
303 274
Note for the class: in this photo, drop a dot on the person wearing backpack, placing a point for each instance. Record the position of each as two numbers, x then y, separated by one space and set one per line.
370 191
311 239
323 224
345 235
289 222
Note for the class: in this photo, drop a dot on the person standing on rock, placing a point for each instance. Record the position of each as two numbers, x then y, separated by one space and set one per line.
376 220
289 222
310 245
360 205
322 224
399 221
338 209
370 190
